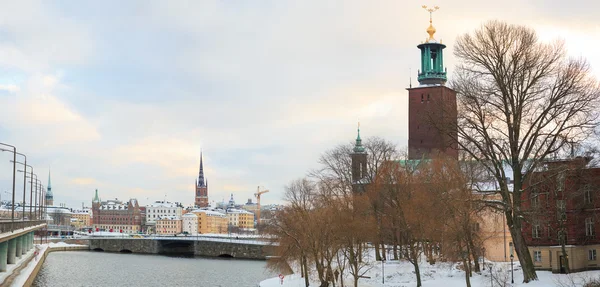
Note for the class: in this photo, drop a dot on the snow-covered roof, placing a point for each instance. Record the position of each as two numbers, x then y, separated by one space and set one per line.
53 209
189 215
209 212
240 211
162 203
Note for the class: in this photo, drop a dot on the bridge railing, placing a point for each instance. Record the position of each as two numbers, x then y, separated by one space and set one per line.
8 226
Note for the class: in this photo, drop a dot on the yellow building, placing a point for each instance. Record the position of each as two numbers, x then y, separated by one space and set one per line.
168 225
210 221
81 218
494 233
240 218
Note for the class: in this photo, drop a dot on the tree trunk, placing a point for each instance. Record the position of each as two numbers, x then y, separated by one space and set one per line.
418 273
383 255
467 272
377 254
395 252
305 264
522 251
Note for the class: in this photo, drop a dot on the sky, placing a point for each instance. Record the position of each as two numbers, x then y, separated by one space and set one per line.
121 96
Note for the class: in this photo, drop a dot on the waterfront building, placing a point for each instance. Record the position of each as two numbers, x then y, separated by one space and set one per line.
211 221
60 216
240 218
189 223
81 218
159 209
116 216
168 225
201 188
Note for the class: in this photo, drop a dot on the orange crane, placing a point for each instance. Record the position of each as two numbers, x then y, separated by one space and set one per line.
257 194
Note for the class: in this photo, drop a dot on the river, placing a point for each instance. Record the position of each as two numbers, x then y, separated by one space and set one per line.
88 268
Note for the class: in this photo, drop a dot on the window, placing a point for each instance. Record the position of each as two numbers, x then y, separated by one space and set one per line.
535 233
537 256
422 100
428 97
535 200
592 255
561 212
589 226
587 194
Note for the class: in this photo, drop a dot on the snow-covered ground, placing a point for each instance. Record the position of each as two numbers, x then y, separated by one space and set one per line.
401 274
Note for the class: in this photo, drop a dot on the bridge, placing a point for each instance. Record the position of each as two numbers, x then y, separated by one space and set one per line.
16 238
246 249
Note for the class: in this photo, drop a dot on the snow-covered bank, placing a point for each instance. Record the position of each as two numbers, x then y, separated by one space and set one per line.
40 251
401 274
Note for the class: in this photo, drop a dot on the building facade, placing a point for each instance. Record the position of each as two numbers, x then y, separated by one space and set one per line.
240 218
210 221
116 216
160 209
169 225
81 218
562 208
201 188
189 223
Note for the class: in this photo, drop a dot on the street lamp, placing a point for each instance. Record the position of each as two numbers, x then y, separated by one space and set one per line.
25 165
491 276
483 257
14 151
30 189
512 275
383 271
31 199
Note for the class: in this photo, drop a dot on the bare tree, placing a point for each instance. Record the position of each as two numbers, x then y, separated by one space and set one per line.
519 101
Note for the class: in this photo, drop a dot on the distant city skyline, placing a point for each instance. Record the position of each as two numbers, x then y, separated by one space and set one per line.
121 97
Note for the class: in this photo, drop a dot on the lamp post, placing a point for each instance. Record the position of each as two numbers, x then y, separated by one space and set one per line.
512 275
14 151
491 276
383 271
483 257
31 198
25 165
24 171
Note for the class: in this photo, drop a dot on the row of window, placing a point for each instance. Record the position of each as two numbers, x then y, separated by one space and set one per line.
537 255
589 230
560 204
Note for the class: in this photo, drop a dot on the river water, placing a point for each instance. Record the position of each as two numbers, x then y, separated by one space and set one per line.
89 268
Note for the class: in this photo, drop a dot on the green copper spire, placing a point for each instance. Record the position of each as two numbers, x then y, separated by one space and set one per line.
432 70
358 147
96 199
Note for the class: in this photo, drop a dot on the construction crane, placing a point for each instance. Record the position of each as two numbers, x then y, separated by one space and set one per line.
257 194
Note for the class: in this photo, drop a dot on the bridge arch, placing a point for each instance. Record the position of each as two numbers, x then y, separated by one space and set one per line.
125 251
97 249
225 255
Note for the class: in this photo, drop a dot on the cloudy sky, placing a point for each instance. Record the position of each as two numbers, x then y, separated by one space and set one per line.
122 95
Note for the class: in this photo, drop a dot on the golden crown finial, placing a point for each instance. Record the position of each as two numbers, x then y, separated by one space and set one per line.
430 29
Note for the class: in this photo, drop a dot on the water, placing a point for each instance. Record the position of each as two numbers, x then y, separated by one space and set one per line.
88 268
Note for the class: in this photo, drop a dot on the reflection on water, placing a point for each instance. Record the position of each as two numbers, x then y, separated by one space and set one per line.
88 268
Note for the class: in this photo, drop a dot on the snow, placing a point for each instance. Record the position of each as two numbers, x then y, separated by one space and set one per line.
401 273
26 272
63 244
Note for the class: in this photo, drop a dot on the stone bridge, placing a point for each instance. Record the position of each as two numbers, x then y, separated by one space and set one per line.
184 246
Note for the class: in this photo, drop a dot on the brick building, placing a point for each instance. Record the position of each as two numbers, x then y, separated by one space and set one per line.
116 216
561 206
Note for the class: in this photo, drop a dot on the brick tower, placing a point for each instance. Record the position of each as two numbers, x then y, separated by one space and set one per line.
359 165
201 187
432 106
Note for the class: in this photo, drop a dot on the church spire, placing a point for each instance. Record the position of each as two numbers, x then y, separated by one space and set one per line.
49 192
201 172
358 147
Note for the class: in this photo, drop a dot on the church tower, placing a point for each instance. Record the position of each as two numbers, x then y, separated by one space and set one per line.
432 106
49 195
359 164
201 187
96 209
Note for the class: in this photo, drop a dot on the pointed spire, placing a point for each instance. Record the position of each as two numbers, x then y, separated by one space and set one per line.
96 198
49 186
201 172
358 147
